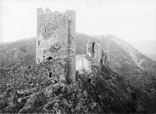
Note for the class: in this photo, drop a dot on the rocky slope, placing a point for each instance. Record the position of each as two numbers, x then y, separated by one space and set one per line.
26 87
98 92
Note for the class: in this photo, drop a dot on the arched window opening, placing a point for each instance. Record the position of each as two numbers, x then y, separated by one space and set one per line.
93 47
30 83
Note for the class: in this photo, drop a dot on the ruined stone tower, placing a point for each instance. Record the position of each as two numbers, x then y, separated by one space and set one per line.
94 51
96 54
105 58
55 39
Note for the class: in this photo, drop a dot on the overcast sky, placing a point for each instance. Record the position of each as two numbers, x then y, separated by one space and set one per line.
131 20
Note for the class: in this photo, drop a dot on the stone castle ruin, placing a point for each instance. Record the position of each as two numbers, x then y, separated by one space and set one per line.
55 39
55 54
94 51
94 56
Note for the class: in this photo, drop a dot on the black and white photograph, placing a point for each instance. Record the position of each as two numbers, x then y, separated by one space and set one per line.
77 56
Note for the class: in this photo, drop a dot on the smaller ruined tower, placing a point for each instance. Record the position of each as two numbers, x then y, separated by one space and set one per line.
94 51
105 58
55 39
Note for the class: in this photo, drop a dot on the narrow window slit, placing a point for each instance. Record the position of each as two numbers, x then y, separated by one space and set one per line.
50 75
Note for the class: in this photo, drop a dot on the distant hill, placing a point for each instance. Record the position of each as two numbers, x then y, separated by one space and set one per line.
17 53
146 47
124 58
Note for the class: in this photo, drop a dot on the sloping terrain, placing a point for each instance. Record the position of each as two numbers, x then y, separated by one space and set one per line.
101 91
123 58
146 47
14 54
126 58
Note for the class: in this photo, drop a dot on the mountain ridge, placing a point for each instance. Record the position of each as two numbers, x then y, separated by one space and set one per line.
140 60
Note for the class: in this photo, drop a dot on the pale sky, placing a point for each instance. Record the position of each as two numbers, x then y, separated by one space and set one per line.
131 20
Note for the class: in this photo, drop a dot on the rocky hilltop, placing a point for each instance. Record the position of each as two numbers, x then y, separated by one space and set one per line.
102 91
127 85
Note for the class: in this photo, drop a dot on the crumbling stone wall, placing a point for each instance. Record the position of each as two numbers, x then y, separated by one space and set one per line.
55 39
83 64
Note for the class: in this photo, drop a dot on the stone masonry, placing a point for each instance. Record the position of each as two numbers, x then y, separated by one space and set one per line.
55 39
105 58
96 54
94 51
